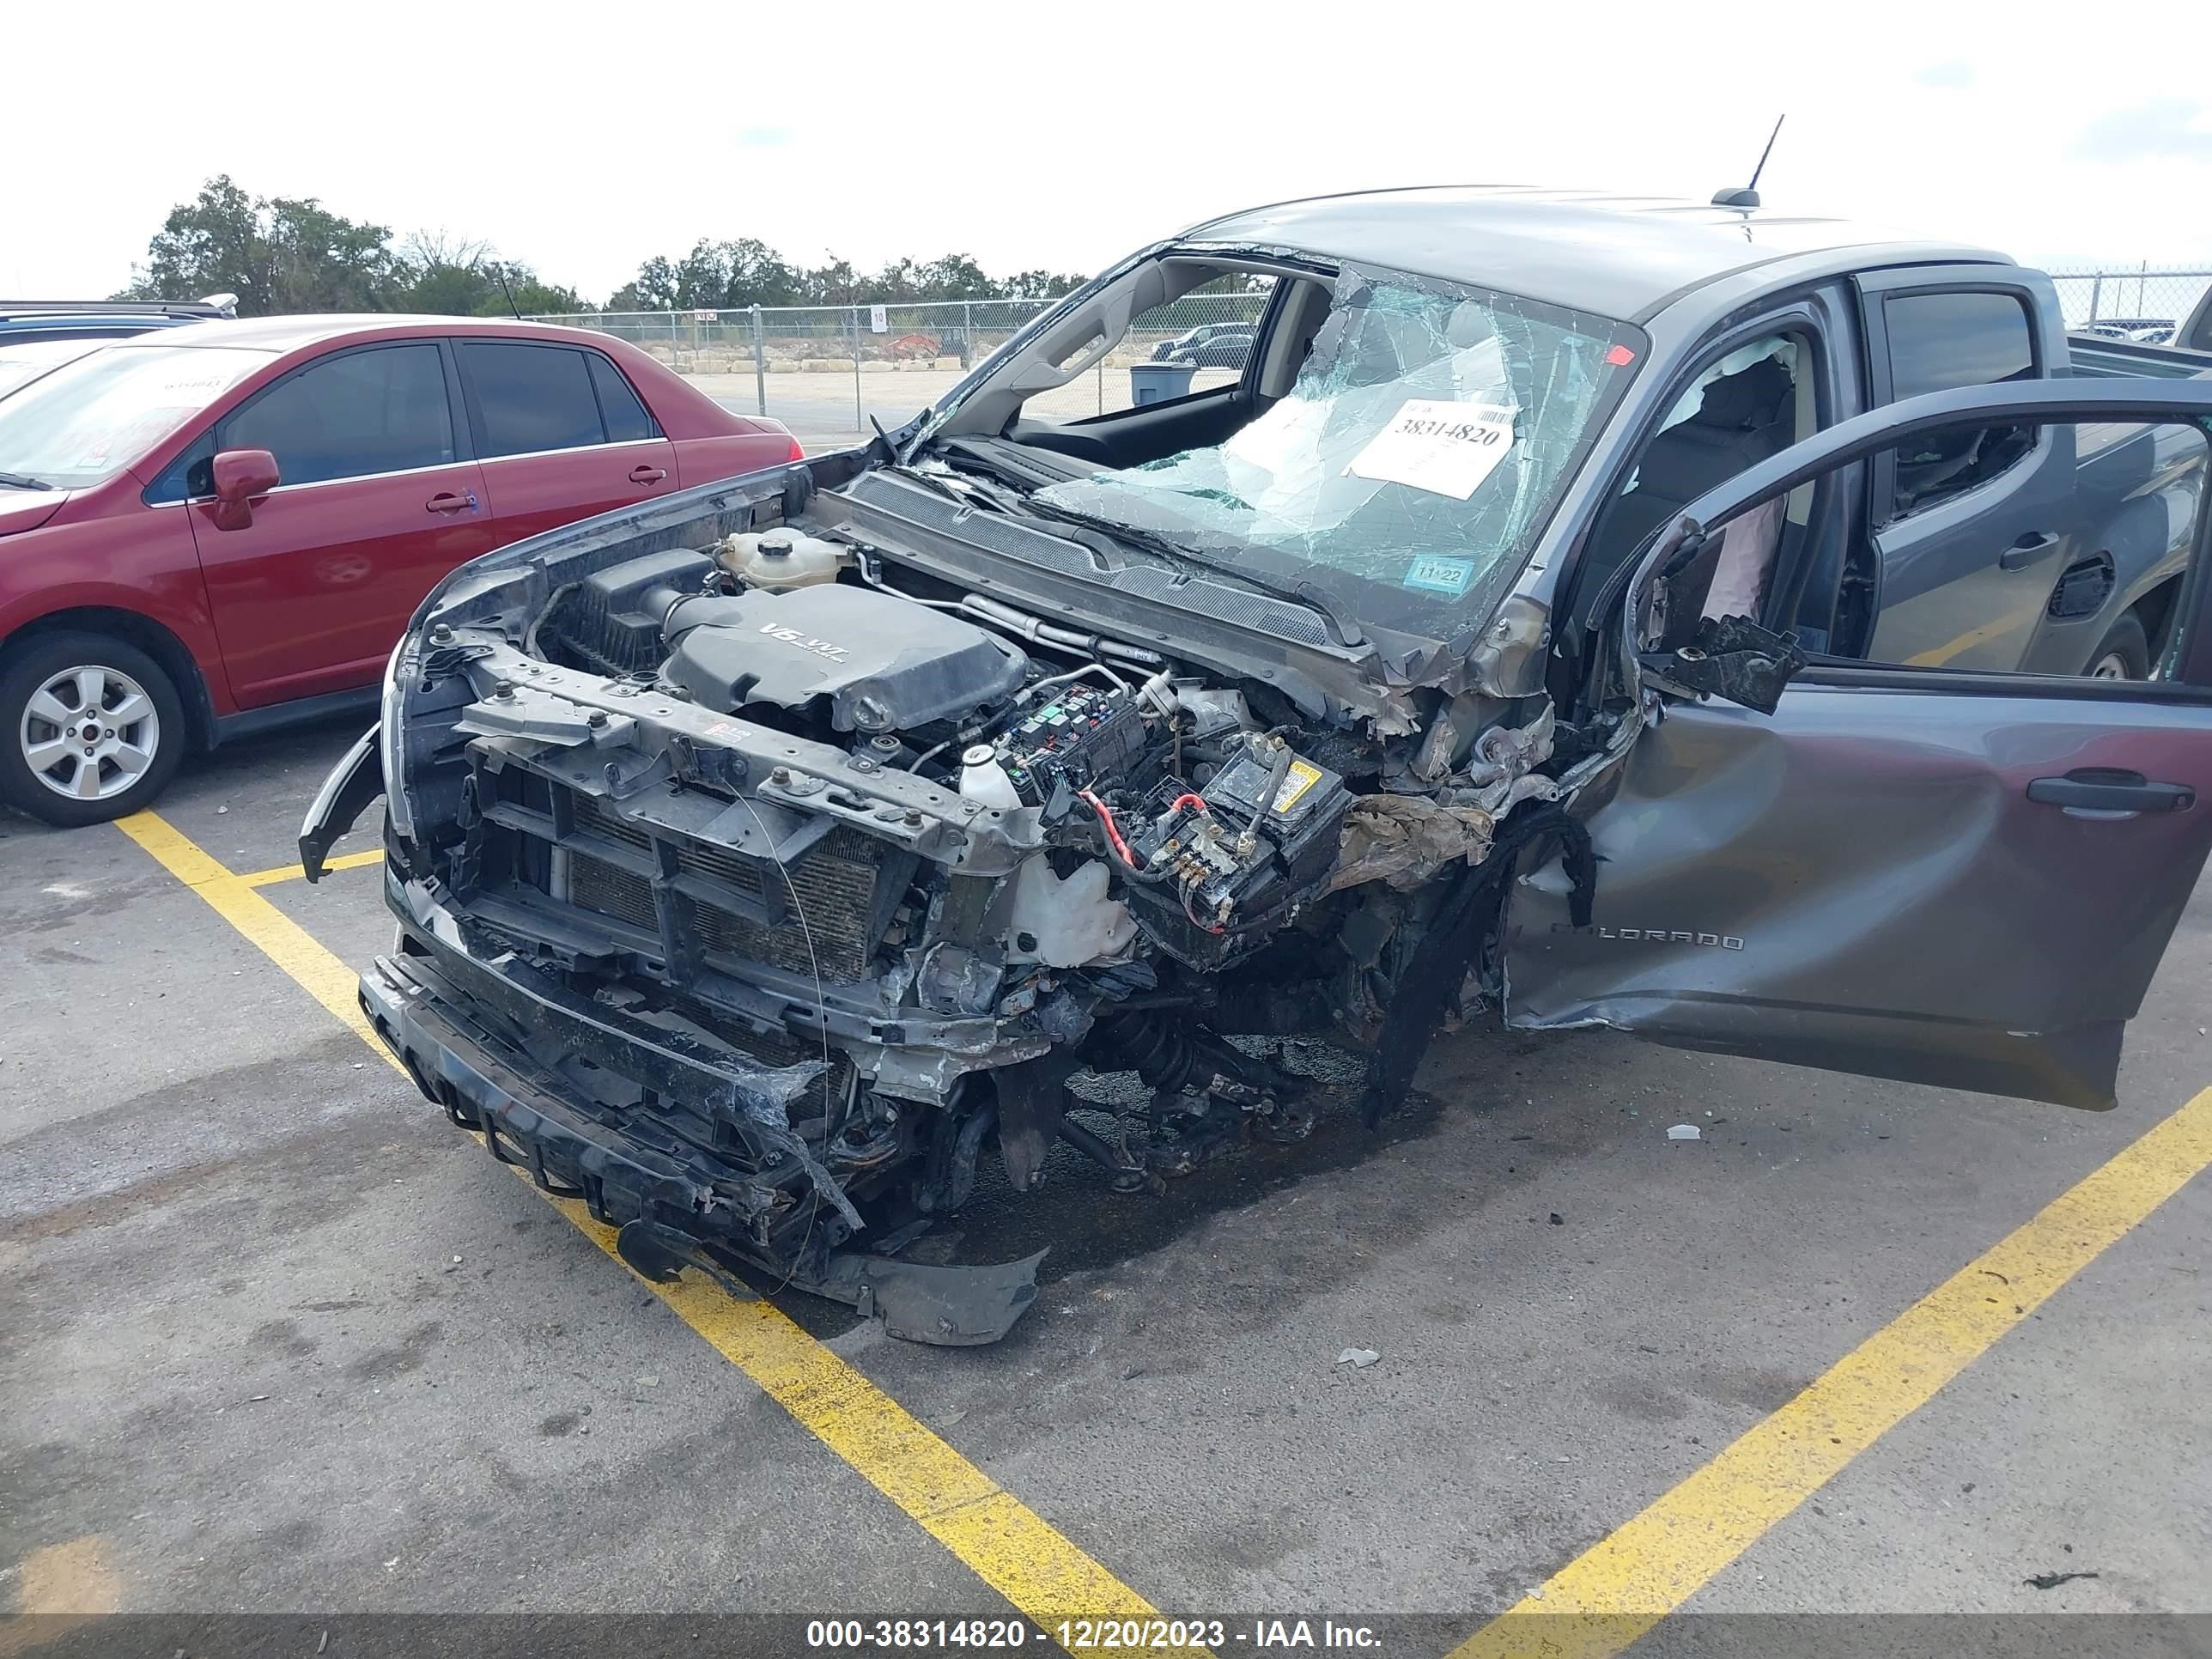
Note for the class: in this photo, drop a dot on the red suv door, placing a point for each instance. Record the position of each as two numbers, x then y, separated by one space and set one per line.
377 500
560 434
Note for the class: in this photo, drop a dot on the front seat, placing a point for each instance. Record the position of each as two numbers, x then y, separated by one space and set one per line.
1741 419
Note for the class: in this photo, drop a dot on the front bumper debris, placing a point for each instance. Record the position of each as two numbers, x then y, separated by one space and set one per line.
355 780
450 1020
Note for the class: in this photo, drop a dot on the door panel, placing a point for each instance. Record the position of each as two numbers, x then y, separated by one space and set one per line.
543 417
309 597
1958 878
531 493
378 500
1813 886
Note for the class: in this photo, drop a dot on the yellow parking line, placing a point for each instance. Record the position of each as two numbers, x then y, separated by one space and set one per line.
1007 1545
277 937
1611 1592
293 872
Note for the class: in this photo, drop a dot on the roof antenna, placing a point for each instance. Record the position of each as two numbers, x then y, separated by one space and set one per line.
499 269
1748 196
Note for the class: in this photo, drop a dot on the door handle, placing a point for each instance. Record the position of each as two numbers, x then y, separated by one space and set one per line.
2096 790
646 472
2027 550
447 501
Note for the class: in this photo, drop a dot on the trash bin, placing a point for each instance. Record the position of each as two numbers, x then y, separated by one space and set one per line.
1155 382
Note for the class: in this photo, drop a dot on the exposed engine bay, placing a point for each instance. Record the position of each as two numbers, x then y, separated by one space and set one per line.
806 879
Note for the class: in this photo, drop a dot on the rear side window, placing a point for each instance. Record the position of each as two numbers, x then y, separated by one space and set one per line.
532 398
624 416
1940 341
361 412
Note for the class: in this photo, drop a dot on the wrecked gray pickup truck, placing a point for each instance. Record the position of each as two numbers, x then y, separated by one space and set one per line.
767 858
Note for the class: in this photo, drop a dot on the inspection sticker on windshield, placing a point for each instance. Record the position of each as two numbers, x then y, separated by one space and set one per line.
1439 576
1445 448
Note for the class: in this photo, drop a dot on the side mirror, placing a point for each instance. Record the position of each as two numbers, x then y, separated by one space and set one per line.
241 475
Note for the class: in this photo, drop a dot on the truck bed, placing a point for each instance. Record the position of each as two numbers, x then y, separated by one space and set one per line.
2100 357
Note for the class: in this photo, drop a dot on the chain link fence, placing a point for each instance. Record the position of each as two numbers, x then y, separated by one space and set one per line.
2146 303
827 370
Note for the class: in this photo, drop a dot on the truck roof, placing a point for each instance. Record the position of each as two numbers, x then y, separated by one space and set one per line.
1616 256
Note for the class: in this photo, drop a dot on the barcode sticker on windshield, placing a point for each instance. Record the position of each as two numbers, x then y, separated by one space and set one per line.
1445 448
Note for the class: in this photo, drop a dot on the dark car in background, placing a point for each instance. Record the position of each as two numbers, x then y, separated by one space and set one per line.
220 525
1210 345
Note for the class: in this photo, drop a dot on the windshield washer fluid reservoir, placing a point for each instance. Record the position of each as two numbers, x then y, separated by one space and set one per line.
776 561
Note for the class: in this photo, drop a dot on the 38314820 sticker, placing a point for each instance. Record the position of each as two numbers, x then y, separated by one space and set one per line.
1445 448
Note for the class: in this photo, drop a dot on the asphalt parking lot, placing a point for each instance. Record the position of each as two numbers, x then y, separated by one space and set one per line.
280 1339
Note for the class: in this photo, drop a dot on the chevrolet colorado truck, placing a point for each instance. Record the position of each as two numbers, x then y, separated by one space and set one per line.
1763 635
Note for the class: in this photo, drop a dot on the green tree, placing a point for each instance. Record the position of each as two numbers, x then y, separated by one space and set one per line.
901 279
445 277
731 275
656 285
444 290
1038 285
322 261
282 254
277 254
702 277
530 296
833 284
953 276
759 275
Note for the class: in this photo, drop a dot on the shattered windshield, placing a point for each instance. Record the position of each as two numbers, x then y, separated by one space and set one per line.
1413 464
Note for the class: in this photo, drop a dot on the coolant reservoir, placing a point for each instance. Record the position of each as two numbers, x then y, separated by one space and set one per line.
983 779
778 559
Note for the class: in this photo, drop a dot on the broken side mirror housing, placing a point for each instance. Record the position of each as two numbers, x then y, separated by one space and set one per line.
1731 658
1694 654
240 476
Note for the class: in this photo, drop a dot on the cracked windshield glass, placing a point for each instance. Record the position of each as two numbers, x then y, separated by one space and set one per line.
1412 464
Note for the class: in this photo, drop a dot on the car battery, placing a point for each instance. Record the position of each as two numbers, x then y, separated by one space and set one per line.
1304 821
1240 861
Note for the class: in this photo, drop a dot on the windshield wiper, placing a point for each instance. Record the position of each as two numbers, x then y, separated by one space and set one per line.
23 481
1131 535
1342 628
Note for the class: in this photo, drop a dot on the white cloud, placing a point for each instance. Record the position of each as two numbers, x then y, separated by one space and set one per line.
1029 135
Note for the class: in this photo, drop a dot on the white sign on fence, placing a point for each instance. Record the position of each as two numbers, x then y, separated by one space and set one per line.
879 320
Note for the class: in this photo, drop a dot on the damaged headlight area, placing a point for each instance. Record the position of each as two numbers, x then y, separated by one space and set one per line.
756 889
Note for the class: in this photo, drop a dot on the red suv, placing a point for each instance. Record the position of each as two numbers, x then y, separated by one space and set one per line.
224 526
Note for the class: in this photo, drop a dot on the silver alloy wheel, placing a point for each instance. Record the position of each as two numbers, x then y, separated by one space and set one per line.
2109 666
89 732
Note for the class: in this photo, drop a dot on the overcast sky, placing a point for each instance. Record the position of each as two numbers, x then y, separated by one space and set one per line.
583 139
